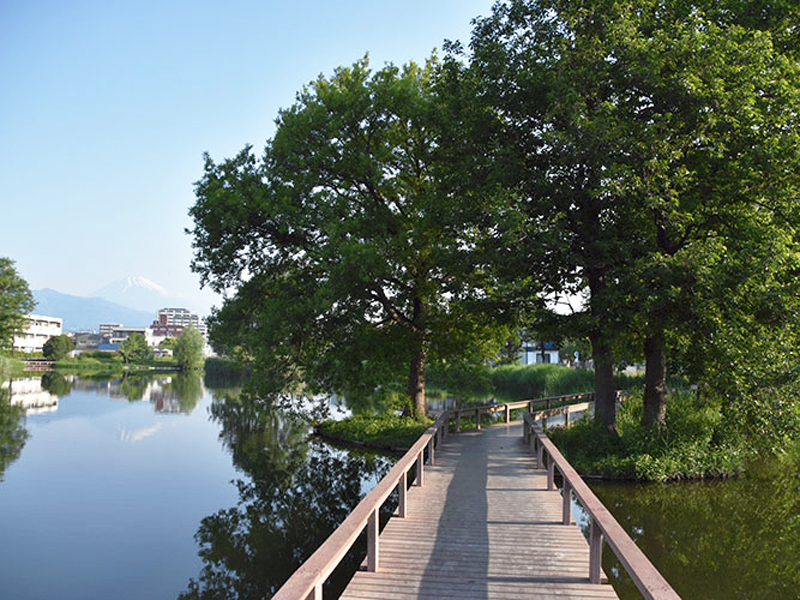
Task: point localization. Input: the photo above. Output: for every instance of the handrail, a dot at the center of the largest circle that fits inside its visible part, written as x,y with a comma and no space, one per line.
603,525
307,581
507,407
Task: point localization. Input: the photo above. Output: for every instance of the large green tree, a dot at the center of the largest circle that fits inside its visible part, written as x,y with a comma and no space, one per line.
188,349
15,301
646,141
349,254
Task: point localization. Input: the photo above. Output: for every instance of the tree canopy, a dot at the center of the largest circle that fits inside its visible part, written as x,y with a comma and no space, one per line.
135,348
651,145
58,347
188,349
15,301
348,254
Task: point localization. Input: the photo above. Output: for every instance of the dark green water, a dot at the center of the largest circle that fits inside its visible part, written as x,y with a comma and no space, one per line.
713,540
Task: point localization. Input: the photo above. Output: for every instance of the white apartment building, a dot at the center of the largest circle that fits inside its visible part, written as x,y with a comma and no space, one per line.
38,329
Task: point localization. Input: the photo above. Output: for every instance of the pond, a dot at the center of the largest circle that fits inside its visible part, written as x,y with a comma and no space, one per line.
712,540
161,487
153,487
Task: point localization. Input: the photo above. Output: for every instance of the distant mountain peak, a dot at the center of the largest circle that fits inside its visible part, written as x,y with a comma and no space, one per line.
138,292
137,281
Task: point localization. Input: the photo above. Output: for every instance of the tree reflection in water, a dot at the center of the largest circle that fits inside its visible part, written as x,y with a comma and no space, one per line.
297,492
738,538
13,434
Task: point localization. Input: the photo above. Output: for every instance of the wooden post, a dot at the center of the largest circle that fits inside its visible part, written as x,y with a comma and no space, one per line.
478,418
540,456
402,501
566,419
551,473
420,460
372,542
595,552
430,451
316,593
526,431
458,421
508,414
566,503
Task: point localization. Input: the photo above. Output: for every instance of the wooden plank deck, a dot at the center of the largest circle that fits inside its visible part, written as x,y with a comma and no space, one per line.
482,526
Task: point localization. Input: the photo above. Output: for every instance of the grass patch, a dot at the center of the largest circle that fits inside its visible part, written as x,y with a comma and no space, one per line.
697,443
387,431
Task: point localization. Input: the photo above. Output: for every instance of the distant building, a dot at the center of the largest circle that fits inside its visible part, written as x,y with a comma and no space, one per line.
120,334
106,329
38,329
171,321
538,352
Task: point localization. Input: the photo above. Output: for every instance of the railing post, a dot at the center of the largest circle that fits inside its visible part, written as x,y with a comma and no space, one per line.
420,460
372,542
508,414
551,473
526,431
458,421
566,419
431,451
478,418
566,503
595,552
316,593
402,501
540,456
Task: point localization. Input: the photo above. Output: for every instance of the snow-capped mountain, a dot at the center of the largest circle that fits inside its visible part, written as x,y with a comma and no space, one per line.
138,292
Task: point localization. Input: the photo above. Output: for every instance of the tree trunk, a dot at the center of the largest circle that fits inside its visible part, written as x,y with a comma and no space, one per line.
605,393
416,382
655,380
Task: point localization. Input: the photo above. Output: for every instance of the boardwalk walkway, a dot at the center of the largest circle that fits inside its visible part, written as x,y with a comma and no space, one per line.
482,526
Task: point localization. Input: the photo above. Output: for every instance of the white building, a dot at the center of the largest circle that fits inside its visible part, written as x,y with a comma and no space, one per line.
120,334
538,352
38,329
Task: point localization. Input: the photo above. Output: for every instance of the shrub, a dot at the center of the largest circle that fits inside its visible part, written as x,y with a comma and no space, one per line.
697,442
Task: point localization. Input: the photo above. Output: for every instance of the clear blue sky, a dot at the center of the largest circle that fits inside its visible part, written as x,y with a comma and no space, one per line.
106,108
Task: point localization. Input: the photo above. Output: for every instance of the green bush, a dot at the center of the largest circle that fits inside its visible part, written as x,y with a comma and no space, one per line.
697,442
387,431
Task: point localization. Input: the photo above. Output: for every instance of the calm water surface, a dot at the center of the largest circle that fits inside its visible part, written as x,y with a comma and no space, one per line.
713,540
153,487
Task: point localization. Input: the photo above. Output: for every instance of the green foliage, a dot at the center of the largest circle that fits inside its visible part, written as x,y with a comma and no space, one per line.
224,372
15,301
58,347
523,382
349,254
697,442
135,348
188,350
387,431
168,343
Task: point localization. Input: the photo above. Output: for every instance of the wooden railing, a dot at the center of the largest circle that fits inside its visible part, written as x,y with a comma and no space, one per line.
603,526
507,407
307,581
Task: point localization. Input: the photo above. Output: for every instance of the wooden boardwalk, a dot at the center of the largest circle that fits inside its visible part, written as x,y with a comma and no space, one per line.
482,526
